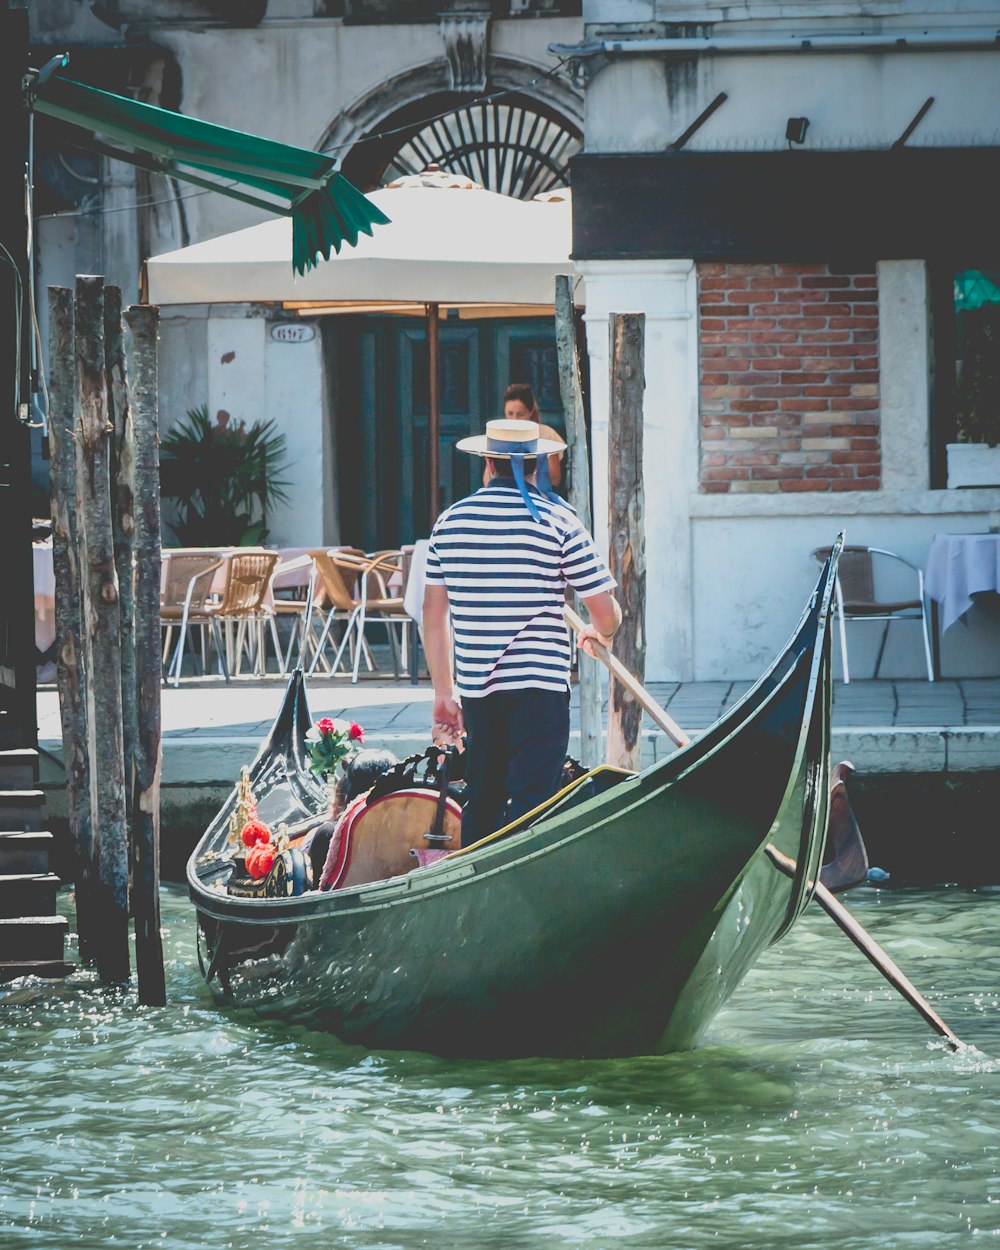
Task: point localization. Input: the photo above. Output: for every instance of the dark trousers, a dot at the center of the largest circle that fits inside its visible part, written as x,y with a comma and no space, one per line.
515,748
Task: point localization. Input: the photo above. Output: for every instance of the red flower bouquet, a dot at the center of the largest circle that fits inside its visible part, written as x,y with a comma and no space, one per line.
329,742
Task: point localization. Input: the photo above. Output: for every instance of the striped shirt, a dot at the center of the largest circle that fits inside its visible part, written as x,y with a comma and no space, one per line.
506,576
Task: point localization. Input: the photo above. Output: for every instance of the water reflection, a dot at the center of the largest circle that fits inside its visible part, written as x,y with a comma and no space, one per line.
822,1113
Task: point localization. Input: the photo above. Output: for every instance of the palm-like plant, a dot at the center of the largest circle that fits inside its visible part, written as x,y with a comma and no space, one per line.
224,477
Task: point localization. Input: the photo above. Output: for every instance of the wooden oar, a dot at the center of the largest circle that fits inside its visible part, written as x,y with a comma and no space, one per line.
833,908
641,695
871,950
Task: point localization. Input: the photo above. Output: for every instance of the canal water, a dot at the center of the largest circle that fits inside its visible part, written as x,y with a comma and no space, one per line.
820,1113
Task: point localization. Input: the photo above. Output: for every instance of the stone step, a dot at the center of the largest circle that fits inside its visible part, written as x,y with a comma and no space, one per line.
32,938
25,852
10,970
21,809
18,770
28,894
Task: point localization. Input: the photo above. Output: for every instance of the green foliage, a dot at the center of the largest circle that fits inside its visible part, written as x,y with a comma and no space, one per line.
224,477
977,406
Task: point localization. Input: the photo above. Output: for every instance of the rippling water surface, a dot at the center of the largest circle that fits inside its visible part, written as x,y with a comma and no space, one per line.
820,1113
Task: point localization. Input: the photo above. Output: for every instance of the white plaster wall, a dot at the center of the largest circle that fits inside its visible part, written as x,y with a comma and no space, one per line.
853,101
294,396
183,363
754,570
235,347
904,374
665,291
224,357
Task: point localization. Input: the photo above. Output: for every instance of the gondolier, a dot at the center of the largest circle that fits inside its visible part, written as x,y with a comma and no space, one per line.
498,565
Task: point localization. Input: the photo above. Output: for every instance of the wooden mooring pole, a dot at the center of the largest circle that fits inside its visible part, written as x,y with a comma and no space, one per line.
70,675
571,391
122,482
141,356
106,554
626,528
101,640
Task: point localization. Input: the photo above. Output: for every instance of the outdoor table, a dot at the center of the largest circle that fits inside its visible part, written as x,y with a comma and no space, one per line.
413,602
958,567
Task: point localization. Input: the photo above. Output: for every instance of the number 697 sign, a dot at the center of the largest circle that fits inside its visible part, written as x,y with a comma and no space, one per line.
292,332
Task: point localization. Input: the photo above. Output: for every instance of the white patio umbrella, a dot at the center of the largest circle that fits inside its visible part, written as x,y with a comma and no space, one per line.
449,243
445,244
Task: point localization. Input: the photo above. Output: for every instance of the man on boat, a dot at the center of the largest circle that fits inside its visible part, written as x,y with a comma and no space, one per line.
499,563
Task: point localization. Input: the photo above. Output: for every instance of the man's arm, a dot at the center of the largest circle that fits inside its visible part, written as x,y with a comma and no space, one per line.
605,618
447,713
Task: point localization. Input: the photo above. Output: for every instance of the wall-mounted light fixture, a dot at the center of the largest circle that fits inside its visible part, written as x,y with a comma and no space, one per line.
795,129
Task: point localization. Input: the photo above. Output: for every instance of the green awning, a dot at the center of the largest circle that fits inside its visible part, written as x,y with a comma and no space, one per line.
974,289
326,210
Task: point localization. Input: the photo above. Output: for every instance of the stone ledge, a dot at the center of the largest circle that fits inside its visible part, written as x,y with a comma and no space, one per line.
215,761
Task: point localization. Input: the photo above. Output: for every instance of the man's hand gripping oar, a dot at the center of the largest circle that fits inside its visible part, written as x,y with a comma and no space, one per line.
591,646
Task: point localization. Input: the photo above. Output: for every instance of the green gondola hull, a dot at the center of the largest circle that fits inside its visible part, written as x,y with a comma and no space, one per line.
617,925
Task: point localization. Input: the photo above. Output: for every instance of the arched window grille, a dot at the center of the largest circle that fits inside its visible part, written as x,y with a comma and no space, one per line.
513,146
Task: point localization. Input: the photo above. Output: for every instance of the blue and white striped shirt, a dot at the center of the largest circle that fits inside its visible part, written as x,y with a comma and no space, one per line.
506,576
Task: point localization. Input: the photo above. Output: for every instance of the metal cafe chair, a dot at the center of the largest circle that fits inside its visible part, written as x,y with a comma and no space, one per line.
336,599
358,586
856,598
297,609
385,587
187,594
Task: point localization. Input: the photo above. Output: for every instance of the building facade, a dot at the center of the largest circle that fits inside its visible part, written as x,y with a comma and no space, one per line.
388,85
793,194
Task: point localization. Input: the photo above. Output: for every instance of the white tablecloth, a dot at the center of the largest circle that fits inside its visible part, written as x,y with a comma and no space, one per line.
413,596
958,567
45,595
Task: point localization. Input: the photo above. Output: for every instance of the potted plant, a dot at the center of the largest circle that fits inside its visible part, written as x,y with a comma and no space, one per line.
224,478
974,460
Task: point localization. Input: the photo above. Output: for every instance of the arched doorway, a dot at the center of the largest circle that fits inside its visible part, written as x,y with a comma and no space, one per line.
517,140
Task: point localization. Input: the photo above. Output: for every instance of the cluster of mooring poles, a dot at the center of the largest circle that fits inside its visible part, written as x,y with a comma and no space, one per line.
626,522
106,554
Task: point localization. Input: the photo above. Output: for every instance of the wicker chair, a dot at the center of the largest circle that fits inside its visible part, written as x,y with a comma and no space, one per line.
184,602
856,598
244,609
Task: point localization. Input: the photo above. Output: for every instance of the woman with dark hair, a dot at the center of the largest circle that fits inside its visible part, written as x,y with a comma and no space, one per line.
519,404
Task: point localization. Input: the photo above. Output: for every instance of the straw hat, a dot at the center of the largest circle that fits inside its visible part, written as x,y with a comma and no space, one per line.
504,439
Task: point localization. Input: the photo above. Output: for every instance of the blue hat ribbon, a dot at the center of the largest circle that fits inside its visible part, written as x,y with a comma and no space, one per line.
517,452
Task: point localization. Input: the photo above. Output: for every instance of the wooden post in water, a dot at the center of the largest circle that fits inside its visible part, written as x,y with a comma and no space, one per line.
70,675
571,392
141,355
101,641
122,520
626,528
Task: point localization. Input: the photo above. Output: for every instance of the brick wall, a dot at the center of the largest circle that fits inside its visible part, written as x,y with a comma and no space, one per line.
789,395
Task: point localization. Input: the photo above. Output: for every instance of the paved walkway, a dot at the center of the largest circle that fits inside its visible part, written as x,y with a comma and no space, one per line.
210,728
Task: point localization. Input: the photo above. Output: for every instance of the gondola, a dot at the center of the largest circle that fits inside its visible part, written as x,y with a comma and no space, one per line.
614,920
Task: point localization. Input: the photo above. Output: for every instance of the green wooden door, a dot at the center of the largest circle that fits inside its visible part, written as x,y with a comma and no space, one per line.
383,409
